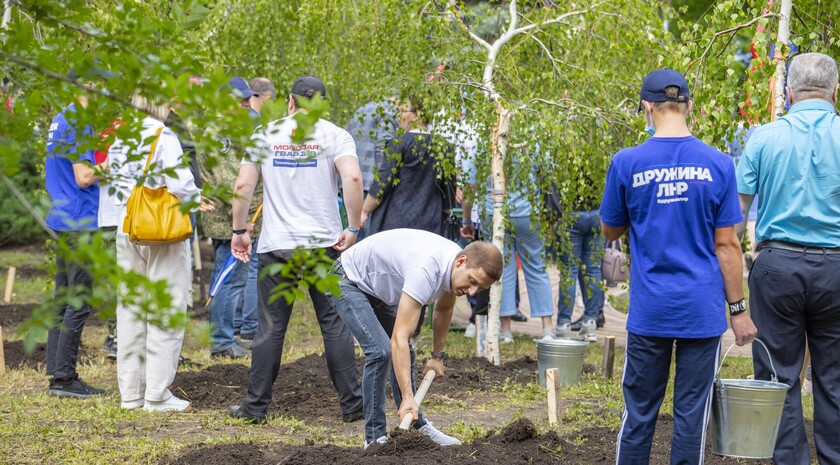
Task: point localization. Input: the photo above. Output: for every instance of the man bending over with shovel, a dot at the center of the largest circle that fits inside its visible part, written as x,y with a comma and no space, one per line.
385,280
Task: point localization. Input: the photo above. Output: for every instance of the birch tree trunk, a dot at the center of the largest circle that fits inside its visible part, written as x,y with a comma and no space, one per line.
782,44
499,152
7,13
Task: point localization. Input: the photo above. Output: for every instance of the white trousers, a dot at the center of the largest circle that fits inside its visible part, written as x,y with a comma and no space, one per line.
147,359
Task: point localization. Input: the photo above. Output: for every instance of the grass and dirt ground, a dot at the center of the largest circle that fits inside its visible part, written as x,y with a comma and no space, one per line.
498,412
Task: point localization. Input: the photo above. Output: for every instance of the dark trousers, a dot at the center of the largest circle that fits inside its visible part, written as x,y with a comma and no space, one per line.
647,365
271,333
73,286
795,296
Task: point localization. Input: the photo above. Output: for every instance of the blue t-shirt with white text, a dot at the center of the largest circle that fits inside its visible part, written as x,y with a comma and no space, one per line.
673,192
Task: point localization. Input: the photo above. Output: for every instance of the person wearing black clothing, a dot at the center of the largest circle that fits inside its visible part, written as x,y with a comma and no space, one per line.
412,189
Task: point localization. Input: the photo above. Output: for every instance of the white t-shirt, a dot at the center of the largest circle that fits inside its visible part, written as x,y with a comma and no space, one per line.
300,184
391,262
127,167
109,213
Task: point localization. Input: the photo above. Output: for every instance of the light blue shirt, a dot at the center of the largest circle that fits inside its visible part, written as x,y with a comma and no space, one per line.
793,164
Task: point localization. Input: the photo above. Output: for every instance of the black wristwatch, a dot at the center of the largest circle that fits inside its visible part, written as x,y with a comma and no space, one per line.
439,355
239,232
737,308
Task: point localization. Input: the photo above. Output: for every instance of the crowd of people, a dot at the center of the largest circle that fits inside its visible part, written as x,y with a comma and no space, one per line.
400,249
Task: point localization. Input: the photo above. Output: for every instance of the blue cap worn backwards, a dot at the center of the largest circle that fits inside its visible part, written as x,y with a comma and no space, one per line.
655,83
240,88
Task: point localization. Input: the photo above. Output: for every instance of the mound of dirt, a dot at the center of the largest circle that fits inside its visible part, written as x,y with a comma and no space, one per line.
517,443
15,314
16,356
303,388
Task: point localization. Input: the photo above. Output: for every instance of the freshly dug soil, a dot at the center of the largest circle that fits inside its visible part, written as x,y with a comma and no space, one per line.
16,357
303,388
517,443
15,314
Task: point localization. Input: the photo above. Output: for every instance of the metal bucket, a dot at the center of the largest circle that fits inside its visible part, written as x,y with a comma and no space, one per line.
563,354
746,414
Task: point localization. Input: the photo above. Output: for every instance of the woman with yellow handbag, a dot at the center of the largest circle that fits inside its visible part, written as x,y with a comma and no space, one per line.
152,241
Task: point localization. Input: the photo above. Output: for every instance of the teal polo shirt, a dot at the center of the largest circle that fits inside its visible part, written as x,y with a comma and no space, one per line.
793,165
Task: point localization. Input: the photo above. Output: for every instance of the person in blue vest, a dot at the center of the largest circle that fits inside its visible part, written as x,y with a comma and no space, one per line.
72,181
677,198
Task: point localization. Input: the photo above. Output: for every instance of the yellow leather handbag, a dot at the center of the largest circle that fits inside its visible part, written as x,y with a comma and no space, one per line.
153,216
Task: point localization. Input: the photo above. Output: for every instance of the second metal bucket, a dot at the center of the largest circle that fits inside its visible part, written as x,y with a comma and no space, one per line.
563,354
746,414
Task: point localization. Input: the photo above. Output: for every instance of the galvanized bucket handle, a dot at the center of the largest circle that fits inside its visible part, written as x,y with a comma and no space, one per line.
773,378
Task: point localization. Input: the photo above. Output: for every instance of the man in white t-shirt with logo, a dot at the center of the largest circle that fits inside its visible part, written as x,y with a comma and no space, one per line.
300,210
385,280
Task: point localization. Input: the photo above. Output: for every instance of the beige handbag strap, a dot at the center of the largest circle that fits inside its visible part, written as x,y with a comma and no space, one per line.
152,150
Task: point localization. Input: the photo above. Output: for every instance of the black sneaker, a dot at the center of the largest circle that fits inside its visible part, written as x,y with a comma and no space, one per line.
234,351
353,416
519,317
73,387
240,413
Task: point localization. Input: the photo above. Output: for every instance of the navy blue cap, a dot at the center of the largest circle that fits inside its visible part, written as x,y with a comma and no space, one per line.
653,87
309,85
240,88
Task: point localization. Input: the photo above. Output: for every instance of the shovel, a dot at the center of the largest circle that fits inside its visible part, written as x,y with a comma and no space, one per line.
418,397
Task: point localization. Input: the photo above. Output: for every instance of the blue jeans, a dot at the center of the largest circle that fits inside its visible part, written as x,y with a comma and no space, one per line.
371,321
245,320
582,264
224,303
646,369
531,248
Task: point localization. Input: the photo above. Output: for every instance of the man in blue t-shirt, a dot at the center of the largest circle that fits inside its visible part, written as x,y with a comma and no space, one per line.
72,180
677,197
793,166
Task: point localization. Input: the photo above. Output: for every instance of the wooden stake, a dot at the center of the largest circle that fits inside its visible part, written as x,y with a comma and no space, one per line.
552,377
609,357
10,282
2,353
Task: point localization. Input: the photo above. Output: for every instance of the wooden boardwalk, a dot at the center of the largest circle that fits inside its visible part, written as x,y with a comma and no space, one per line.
615,320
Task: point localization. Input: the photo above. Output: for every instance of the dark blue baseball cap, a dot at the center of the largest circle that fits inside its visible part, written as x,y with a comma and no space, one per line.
655,83
240,88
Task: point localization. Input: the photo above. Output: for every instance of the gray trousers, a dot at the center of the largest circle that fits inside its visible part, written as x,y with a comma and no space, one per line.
795,296
271,333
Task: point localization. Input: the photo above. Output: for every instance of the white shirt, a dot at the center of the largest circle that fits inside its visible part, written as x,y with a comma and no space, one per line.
391,262
108,214
300,184
127,167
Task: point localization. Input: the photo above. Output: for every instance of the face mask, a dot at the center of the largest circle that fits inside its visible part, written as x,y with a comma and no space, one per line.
649,128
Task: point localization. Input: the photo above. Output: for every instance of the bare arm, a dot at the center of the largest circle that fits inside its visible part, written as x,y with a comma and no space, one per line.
371,202
351,182
746,203
728,251
612,233
86,174
243,191
408,314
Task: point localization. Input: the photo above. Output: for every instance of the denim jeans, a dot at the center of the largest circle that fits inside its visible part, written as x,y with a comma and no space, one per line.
226,299
371,321
73,286
531,248
245,319
582,264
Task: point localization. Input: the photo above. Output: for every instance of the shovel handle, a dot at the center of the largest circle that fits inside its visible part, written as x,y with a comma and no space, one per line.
418,397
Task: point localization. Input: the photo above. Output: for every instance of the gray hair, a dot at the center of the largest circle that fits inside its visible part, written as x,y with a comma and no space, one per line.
263,87
812,75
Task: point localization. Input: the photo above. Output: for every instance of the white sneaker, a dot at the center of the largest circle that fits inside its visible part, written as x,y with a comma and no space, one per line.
379,440
505,337
470,331
587,331
548,334
173,404
437,436
563,331
132,404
